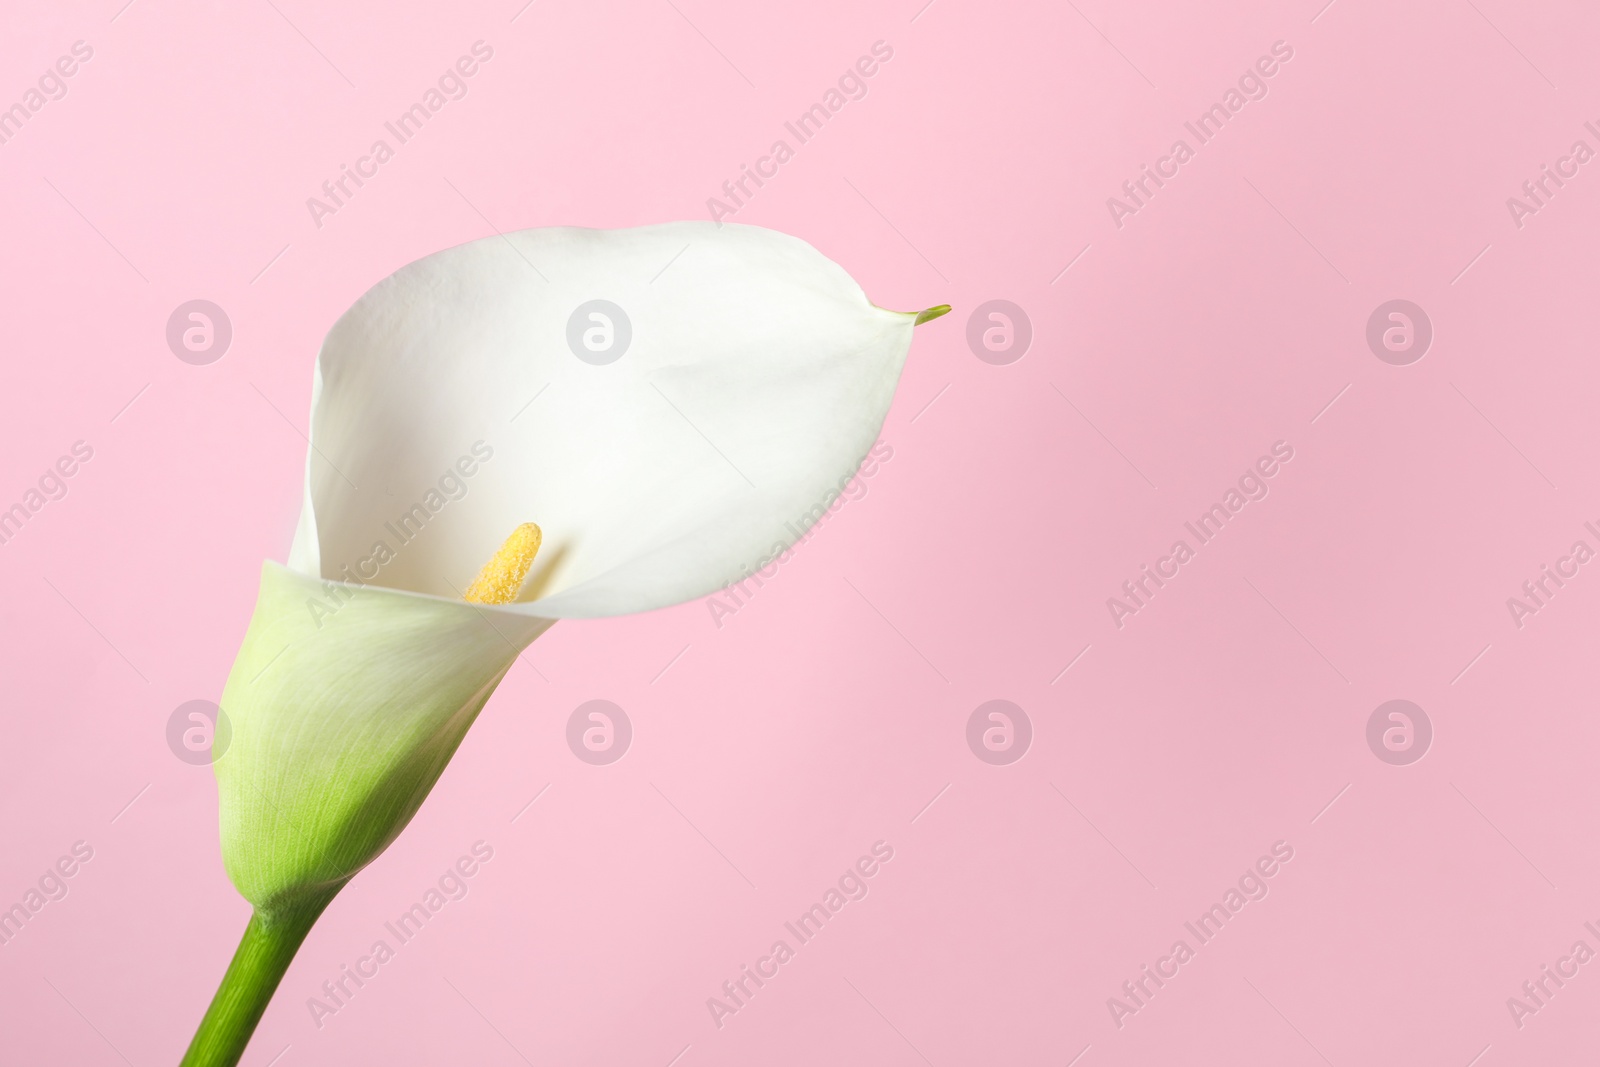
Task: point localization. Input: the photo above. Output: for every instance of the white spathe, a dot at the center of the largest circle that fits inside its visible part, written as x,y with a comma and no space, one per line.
447,409
757,377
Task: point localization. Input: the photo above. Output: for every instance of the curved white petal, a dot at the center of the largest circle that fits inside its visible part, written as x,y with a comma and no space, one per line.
757,377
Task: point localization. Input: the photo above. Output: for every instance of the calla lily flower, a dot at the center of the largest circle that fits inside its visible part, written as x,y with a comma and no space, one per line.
556,423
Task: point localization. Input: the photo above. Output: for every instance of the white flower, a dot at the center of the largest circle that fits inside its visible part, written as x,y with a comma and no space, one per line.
482,388
756,376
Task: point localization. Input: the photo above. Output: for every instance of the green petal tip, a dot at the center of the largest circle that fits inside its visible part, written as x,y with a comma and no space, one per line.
931,314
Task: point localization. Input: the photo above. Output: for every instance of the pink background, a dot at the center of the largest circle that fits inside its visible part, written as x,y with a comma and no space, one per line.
827,714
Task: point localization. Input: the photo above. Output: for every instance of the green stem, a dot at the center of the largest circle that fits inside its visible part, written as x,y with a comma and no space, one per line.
264,954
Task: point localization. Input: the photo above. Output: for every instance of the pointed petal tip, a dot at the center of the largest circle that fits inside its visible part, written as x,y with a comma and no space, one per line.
931,313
